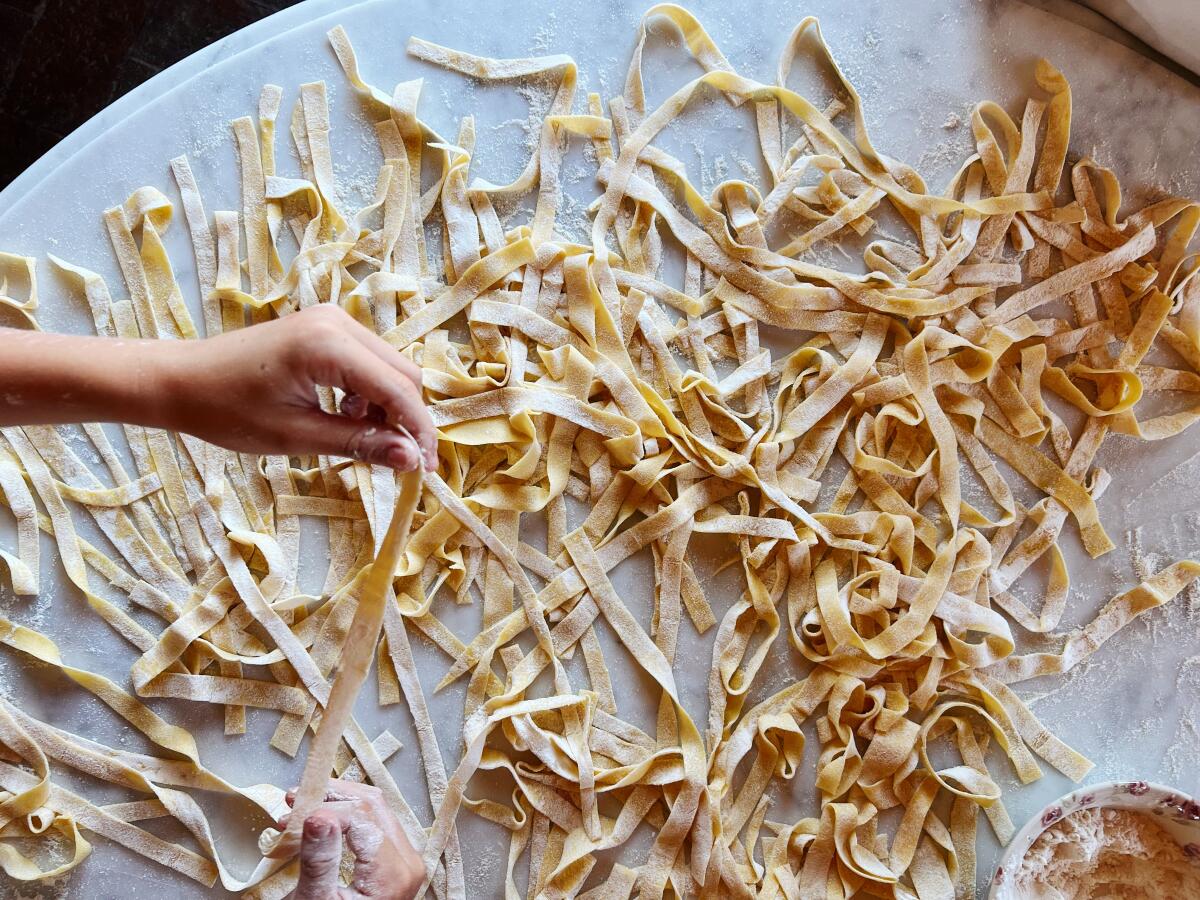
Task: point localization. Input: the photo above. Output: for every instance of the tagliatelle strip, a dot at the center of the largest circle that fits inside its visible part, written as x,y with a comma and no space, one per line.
357,655
556,369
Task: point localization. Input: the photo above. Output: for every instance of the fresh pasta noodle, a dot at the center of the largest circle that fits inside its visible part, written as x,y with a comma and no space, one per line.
585,377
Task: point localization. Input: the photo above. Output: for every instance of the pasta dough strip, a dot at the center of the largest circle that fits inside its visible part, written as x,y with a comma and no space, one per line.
364,634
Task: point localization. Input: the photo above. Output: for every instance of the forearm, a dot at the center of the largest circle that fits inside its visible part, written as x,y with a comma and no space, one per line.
253,390
60,378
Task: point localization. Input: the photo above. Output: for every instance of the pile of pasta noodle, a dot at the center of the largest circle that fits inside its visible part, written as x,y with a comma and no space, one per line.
1009,325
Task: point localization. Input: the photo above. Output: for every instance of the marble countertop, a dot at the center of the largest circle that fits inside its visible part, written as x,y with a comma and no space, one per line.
919,67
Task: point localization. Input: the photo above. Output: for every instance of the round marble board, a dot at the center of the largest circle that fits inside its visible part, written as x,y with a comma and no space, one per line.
919,67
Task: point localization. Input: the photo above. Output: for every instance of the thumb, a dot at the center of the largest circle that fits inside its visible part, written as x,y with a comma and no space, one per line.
320,859
361,439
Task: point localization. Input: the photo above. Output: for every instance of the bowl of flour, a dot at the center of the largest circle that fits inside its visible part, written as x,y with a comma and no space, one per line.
1132,840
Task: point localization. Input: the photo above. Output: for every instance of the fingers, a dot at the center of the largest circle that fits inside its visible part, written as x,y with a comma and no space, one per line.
385,351
337,789
383,869
349,356
385,862
365,838
372,379
320,857
351,790
361,439
340,811
354,406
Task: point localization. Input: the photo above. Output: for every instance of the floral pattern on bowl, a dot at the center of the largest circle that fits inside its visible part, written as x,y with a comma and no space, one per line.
1178,813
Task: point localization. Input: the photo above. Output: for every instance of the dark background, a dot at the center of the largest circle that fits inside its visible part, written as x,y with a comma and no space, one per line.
65,60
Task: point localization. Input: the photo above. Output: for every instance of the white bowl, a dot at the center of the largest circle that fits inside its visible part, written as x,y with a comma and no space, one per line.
1174,810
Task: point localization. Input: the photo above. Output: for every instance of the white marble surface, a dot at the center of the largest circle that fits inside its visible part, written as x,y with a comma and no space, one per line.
919,67
1170,26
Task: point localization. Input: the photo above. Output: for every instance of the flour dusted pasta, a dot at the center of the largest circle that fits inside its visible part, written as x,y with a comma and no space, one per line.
562,372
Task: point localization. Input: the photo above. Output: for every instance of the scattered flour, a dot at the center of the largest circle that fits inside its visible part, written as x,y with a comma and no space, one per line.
1107,853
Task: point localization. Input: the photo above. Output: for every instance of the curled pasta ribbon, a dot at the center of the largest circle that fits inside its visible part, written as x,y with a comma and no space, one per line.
824,424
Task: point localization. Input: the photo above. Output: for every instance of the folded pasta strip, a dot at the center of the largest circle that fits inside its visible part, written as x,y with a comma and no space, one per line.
564,376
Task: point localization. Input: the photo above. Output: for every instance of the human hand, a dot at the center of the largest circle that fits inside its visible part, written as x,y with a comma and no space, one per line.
254,391
386,867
